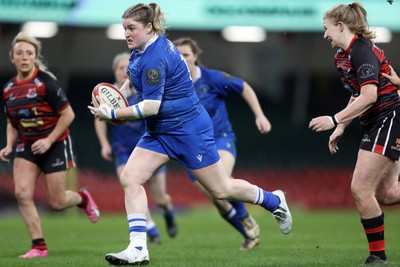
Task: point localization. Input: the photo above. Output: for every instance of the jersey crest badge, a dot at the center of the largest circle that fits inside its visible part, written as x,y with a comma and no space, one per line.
153,76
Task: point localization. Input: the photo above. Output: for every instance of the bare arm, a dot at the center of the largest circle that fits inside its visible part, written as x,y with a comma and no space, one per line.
126,89
363,102
101,132
12,135
143,109
67,115
263,124
337,134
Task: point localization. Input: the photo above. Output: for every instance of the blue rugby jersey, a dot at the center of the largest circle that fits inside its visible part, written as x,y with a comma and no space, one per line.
160,73
212,87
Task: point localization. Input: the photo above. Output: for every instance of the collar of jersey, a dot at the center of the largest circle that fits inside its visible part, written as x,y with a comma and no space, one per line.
152,40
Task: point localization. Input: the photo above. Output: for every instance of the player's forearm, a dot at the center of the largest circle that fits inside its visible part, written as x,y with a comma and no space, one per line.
251,99
101,132
12,134
144,109
358,105
64,121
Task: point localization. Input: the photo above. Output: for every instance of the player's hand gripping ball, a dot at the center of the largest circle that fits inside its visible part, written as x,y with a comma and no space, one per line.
111,96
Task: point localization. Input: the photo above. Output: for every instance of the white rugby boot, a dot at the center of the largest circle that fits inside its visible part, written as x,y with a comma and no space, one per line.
251,227
282,213
130,256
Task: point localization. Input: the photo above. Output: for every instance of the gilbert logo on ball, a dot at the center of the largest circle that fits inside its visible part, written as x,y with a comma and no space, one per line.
110,96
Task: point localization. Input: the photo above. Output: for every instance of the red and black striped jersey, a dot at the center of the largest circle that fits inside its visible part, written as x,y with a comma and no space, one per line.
33,106
360,64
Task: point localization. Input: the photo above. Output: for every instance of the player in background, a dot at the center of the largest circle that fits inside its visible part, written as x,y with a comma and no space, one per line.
124,139
38,117
212,86
177,127
375,101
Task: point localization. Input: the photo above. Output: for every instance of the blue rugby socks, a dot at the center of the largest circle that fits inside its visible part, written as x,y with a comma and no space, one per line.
267,200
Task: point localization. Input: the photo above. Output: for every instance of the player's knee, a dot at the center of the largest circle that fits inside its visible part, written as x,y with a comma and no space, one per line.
56,204
23,195
388,197
218,194
358,191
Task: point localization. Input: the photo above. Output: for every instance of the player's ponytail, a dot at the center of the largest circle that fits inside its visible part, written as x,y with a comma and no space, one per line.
146,14
354,16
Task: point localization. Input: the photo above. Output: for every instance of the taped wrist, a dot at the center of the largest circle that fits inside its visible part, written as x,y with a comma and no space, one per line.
334,120
113,114
138,110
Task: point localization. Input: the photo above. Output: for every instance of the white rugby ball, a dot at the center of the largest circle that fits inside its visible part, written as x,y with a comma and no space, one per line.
111,96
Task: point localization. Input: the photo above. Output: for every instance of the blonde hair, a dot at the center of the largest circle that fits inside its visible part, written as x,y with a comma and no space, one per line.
146,14
25,37
354,16
118,58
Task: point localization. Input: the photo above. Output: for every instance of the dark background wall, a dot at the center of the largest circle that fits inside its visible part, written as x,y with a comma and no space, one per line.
292,73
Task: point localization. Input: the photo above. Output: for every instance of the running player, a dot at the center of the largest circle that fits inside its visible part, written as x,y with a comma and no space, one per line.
177,127
375,101
212,86
38,117
124,139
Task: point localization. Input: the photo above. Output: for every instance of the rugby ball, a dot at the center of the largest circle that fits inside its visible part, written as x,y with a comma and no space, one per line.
111,96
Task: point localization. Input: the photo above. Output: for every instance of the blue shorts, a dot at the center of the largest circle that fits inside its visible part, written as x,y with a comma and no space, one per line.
193,144
122,155
222,143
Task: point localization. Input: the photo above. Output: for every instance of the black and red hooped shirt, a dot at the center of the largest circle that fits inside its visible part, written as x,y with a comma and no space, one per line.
33,106
360,64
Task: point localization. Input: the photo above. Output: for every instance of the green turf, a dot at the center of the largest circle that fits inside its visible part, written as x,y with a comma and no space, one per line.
329,238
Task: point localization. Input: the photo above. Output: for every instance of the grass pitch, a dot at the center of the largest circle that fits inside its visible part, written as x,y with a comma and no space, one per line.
324,238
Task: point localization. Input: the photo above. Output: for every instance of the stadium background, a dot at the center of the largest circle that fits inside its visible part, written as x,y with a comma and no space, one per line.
292,72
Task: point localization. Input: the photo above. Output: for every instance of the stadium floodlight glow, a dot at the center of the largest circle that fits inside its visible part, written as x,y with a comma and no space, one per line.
251,34
383,35
40,29
115,32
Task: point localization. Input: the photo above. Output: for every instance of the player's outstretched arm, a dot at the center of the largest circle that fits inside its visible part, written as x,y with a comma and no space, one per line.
263,124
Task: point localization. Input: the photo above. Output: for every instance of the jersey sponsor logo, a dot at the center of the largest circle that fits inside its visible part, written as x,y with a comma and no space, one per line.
31,93
153,76
366,138
171,46
397,145
199,157
24,113
366,70
20,148
29,124
58,162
